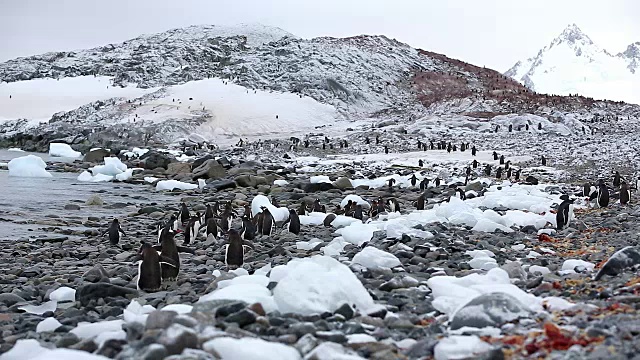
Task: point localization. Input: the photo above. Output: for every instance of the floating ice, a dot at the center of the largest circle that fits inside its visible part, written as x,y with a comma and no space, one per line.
40,309
174,184
86,176
250,349
28,166
63,150
112,167
48,324
372,258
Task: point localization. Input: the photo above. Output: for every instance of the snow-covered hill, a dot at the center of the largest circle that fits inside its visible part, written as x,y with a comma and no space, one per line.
573,64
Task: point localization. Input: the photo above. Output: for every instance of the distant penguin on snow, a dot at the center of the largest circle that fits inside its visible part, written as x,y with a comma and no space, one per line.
114,232
565,212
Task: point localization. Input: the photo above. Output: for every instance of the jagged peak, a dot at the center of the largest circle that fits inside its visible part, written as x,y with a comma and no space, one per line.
572,34
632,51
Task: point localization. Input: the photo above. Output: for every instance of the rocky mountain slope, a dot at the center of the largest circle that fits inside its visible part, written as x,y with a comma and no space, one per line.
251,81
573,64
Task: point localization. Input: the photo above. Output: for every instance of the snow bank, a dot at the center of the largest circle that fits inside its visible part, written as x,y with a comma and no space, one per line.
250,349
63,150
304,286
174,184
373,258
15,149
28,166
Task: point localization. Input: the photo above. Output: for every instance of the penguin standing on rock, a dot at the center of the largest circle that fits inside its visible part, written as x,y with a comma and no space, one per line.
234,254
420,202
249,229
616,180
294,222
150,268
602,194
565,212
114,232
544,161
393,204
414,180
357,212
391,182
168,249
424,184
212,228
267,221
625,193
184,215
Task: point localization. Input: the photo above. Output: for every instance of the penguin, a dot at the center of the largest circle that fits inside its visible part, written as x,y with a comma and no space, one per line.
495,155
507,165
208,214
386,149
501,159
316,207
414,180
391,182
487,170
302,210
225,221
499,173
267,221
114,232
249,229
437,181
616,180
234,252
184,215
474,151
509,173
565,212
420,162
602,194
212,228
588,190
424,184
328,220
357,212
544,161
193,228
294,222
475,164
517,175
460,194
150,268
169,249
394,206
420,202
625,193
380,208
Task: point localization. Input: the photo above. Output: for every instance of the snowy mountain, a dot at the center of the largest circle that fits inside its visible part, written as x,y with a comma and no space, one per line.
573,64
249,81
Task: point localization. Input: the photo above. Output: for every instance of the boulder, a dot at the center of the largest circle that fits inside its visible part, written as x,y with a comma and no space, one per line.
343,183
219,185
210,169
154,159
200,161
94,200
250,181
493,309
178,168
96,155
310,188
89,292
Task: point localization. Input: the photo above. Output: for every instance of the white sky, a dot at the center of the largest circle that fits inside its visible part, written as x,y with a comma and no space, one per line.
493,33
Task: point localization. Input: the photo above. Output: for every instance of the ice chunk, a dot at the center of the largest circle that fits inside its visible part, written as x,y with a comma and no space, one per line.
48,324
28,166
278,213
460,347
40,309
63,294
250,349
24,349
356,199
320,179
174,184
280,182
249,293
357,233
372,258
63,150
571,264
136,313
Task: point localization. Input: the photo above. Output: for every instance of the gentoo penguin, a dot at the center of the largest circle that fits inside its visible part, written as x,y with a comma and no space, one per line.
616,180
212,228
544,161
474,151
460,194
247,211
467,171
357,212
625,193
249,229
169,249
588,190
517,175
509,173
414,180
390,182
602,194
149,268
225,220
193,228
114,232
475,164
565,212
487,170
495,155
294,222
424,183
501,159
507,165
499,173
386,149
184,215
302,210
316,207
420,162
234,254
437,181
393,204
380,208
267,221
208,214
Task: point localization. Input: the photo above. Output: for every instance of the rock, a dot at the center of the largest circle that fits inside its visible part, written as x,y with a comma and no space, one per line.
111,348
10,299
346,311
422,349
343,183
531,180
96,274
177,338
160,319
493,309
199,161
72,207
219,307
474,186
250,181
176,168
89,292
220,185
311,188
242,317
210,169
154,352
515,271
96,155
150,210
620,260
154,159
306,343
94,200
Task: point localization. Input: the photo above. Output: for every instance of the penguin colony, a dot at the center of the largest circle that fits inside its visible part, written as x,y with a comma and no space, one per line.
160,263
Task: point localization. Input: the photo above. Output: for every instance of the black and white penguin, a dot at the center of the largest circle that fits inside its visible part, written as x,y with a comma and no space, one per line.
294,222
184,215
499,173
249,229
234,253
507,165
386,149
468,171
193,228
114,232
267,221
208,214
149,268
302,210
565,212
437,181
487,170
212,228
588,190
380,208
602,194
357,212
316,207
625,193
509,173
420,202
501,159
475,164
495,155
169,249
393,204
424,183
460,194
544,161
517,175
420,162
474,151
616,180
414,180
390,183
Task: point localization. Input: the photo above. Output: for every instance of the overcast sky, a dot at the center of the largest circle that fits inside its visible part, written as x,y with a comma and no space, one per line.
493,33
